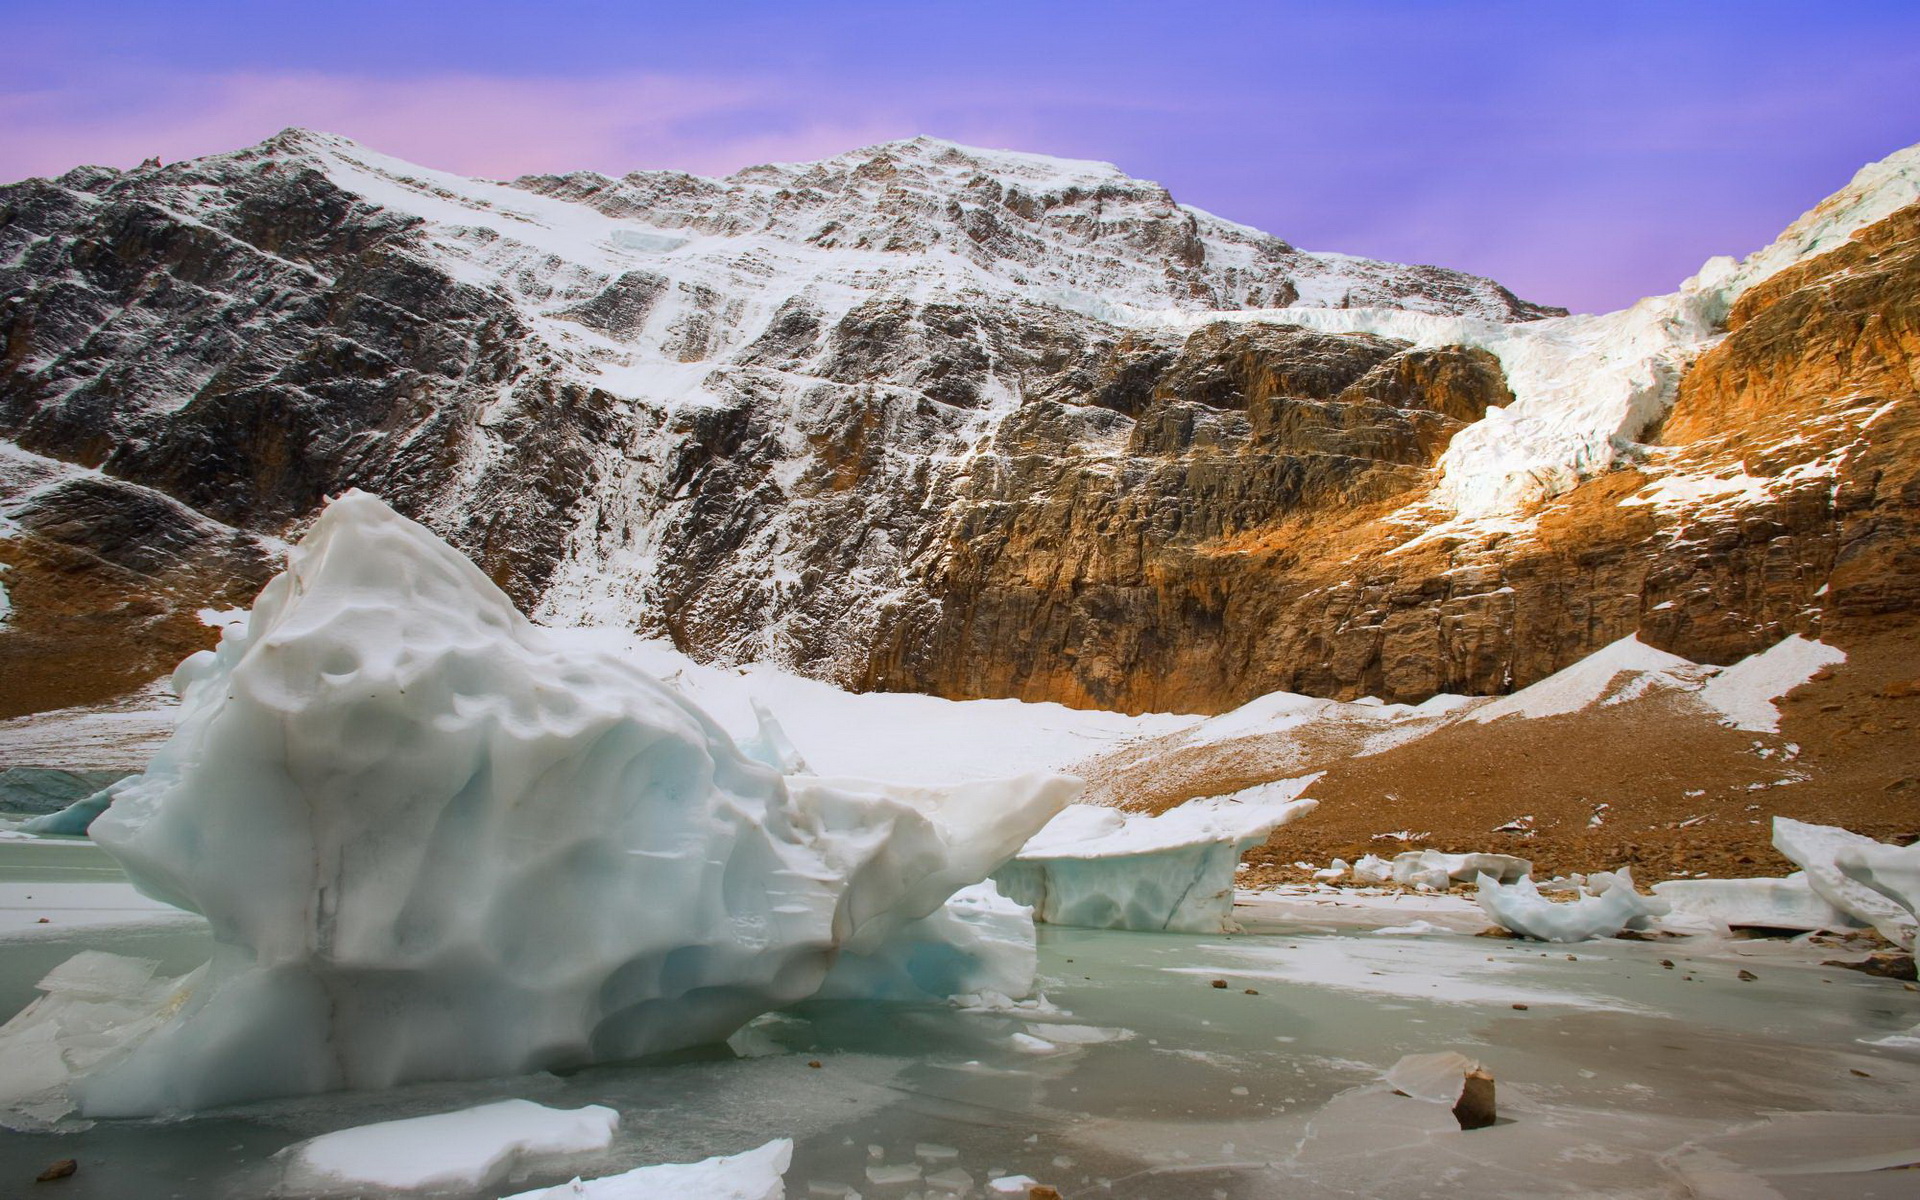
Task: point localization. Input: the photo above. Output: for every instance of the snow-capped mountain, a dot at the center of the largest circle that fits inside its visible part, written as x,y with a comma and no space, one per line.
919,416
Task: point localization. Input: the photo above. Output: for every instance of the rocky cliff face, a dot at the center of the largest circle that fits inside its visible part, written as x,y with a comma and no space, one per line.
920,417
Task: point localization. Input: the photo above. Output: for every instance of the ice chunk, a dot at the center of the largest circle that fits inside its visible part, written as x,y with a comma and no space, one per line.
92,1007
1436,1078
1107,869
1372,869
1789,903
1815,849
1437,870
1521,908
467,1150
753,1175
434,843
978,942
1892,871
77,818
1012,1185
1744,693
770,744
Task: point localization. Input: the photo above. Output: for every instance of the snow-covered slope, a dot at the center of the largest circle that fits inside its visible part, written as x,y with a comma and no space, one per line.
1586,386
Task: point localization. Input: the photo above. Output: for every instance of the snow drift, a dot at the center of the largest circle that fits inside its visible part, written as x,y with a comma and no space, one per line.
434,843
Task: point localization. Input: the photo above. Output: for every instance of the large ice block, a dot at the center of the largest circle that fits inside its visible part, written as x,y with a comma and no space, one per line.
434,843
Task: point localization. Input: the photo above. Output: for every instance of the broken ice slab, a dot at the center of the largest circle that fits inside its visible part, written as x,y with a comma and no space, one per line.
1521,908
1788,903
1101,868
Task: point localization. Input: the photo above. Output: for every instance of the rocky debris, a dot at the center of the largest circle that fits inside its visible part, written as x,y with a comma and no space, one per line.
59,1170
1885,965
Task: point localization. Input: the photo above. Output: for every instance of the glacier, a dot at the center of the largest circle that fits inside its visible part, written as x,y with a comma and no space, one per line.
1101,868
434,843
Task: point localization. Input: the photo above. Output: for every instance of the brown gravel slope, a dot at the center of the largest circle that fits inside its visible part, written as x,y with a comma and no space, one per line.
1681,792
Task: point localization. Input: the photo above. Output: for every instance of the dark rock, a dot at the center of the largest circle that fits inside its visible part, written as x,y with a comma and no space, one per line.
1475,1109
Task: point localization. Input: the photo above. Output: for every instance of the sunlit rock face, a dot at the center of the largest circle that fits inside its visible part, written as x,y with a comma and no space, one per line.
433,844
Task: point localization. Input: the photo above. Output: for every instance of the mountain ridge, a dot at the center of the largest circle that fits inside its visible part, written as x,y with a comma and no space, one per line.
894,418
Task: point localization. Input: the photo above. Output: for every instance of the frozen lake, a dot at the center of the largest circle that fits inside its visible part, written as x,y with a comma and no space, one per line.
1620,1077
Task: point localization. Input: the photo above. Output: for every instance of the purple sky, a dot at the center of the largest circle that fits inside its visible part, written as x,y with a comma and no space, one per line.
1583,154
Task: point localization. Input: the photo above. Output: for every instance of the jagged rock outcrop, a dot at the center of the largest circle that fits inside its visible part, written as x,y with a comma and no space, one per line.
919,417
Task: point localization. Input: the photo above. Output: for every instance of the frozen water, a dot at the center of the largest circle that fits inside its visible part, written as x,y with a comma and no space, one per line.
1602,913
434,844
470,1149
1789,903
1617,1068
1815,849
1103,868
754,1175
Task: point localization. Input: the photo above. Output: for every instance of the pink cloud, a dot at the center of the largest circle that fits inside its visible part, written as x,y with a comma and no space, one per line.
478,125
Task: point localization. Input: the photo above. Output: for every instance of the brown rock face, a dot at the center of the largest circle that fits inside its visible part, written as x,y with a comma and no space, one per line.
1124,564
1254,532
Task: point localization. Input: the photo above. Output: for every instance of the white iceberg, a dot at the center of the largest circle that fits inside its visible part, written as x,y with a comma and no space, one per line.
1613,906
1789,903
753,1175
434,843
467,1150
1816,849
1102,868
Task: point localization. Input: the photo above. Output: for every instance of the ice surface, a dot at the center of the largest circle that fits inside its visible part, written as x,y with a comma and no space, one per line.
1816,850
1744,692
753,1175
1613,907
1789,903
470,1149
1103,868
432,843
978,942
